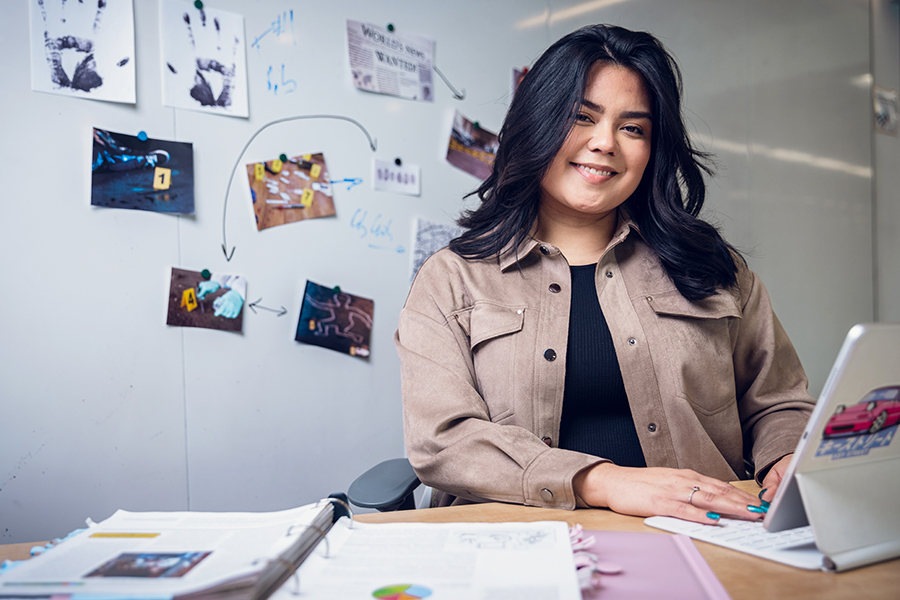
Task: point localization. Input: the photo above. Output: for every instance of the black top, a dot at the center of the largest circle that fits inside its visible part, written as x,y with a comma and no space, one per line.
595,418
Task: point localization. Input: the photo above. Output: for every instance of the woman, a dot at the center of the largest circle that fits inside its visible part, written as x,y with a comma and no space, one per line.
519,386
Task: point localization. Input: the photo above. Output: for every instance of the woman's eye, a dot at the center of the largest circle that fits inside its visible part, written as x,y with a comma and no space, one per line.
634,129
583,118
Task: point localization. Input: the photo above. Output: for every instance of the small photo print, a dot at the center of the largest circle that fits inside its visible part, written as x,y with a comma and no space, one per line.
290,191
471,147
334,319
154,175
207,300
149,565
517,76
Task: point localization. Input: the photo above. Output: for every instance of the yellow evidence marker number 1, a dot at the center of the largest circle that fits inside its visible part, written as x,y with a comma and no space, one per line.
259,171
162,178
189,299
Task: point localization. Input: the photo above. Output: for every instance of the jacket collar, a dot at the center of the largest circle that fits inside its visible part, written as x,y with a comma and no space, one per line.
512,254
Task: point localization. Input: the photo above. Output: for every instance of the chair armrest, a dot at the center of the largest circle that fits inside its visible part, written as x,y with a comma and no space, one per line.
387,486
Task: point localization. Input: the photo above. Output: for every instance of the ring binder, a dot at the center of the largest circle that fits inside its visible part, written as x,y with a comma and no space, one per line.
190,556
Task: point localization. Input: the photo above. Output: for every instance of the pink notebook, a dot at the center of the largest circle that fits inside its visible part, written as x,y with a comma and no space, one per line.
654,565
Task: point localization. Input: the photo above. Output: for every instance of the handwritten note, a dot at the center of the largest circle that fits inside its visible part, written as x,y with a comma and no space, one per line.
390,177
375,230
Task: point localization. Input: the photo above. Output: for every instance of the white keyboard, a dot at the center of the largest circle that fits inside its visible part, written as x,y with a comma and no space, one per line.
795,547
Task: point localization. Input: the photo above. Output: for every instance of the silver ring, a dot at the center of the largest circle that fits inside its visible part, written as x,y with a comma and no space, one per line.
691,495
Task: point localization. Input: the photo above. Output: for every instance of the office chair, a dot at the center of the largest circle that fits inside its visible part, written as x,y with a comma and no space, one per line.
387,486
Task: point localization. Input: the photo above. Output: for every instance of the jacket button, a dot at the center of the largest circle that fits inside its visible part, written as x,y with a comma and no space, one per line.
546,439
554,287
546,495
632,341
550,354
651,427
545,250
609,274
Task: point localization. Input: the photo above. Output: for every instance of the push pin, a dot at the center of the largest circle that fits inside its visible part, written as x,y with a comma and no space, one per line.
198,5
398,162
390,27
336,289
205,274
282,158
142,136
477,125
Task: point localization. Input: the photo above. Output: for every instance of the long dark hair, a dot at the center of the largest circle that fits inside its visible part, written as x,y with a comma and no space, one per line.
671,193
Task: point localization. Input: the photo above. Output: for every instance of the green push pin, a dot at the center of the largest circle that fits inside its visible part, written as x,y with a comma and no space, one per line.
282,158
198,5
390,27
205,274
336,289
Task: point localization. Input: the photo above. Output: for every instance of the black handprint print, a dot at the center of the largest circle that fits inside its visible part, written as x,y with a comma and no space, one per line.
202,91
65,41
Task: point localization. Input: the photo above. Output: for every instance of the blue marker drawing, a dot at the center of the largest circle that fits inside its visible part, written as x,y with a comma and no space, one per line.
378,230
278,27
273,87
399,249
353,182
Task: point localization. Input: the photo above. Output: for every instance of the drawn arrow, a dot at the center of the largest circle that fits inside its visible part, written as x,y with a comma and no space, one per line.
457,95
351,182
372,144
254,305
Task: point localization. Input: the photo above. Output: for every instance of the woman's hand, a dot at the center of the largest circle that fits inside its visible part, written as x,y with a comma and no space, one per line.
649,491
773,478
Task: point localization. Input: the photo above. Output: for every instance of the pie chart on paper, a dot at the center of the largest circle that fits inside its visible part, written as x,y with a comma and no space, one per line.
401,592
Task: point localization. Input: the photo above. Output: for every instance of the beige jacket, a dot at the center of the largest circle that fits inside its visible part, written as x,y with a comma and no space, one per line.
482,348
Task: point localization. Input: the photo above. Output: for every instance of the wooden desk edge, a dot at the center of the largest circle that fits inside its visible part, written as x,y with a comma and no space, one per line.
743,576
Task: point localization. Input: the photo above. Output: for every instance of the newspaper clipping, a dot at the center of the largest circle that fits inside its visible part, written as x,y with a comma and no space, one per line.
389,63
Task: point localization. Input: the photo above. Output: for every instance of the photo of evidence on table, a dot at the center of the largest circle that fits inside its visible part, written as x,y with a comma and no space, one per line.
287,190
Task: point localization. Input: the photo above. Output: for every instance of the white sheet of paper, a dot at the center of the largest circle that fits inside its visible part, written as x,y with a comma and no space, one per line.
389,62
83,49
204,64
390,177
428,238
521,561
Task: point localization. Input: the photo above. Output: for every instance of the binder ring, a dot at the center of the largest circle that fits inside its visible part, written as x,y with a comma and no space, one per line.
342,503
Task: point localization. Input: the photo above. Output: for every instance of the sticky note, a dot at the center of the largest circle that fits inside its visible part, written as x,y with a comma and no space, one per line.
162,178
189,299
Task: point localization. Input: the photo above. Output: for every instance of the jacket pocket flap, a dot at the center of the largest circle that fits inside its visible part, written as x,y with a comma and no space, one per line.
718,306
493,320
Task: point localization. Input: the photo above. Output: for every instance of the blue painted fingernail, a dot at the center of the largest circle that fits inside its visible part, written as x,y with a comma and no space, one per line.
766,505
763,491
757,509
713,516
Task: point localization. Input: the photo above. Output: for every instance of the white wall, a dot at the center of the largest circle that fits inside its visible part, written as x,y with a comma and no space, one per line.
102,406
886,161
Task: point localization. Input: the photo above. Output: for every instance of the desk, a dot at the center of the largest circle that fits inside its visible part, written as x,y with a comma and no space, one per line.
744,576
